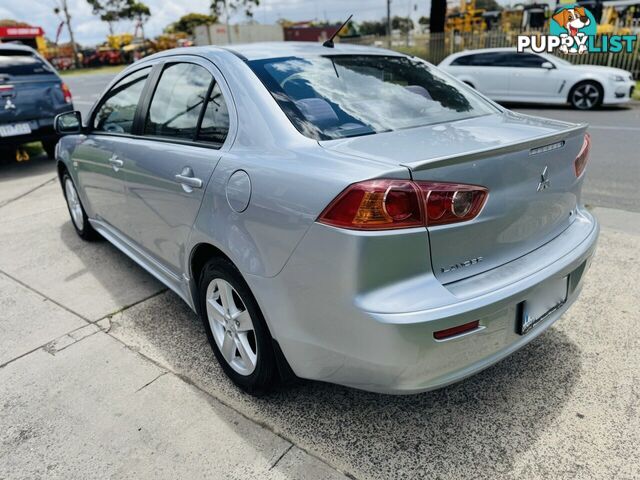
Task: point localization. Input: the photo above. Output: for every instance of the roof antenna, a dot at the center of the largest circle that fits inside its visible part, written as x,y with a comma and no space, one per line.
329,43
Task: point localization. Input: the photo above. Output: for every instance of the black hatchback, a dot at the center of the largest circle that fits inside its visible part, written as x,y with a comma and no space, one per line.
31,95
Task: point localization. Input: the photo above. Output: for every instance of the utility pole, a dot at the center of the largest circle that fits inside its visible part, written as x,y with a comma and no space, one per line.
389,23
67,20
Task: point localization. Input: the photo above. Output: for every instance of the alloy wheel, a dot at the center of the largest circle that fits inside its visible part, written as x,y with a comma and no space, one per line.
74,204
232,326
586,96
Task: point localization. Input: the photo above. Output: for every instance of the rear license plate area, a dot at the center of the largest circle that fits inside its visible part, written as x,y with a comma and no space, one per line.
543,301
15,129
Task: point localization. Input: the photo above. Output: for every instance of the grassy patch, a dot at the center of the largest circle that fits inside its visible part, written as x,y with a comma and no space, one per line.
636,92
89,71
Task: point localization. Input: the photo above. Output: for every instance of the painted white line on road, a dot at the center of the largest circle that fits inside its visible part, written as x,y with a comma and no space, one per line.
607,127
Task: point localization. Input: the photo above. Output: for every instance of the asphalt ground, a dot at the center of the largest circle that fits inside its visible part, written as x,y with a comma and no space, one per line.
106,374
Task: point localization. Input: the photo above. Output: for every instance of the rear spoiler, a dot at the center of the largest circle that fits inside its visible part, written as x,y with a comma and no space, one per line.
531,143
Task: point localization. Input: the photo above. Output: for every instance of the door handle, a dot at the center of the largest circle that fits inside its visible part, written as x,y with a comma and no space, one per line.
116,163
187,180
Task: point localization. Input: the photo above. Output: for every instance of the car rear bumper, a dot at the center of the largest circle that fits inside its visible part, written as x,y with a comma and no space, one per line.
41,134
41,130
349,319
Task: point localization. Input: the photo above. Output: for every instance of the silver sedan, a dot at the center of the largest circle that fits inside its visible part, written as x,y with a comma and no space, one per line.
348,214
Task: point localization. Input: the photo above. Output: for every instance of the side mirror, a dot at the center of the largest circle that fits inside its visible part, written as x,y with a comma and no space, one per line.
68,123
547,65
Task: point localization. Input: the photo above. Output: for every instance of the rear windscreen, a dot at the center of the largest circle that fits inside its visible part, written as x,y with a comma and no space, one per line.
22,64
340,96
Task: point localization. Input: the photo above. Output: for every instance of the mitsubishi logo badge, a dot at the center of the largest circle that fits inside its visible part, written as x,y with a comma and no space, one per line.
544,180
9,105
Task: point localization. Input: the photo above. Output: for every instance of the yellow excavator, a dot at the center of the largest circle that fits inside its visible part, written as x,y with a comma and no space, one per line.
466,18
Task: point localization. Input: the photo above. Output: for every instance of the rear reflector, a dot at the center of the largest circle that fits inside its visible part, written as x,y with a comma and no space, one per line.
458,330
582,158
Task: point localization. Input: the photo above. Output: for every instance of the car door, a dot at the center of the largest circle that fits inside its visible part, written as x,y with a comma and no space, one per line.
98,159
489,75
185,124
530,80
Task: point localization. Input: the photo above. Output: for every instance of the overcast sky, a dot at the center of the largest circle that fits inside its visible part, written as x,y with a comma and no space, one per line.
90,30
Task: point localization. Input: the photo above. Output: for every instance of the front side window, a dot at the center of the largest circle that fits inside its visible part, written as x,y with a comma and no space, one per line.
331,97
464,60
118,109
177,102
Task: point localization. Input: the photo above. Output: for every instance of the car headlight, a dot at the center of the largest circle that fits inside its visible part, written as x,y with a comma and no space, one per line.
617,78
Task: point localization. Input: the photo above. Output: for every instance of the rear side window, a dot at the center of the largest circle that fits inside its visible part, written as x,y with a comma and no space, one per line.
177,102
523,60
118,108
463,61
489,59
23,64
215,122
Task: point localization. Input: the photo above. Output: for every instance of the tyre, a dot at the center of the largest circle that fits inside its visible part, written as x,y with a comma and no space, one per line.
79,218
236,328
50,148
586,96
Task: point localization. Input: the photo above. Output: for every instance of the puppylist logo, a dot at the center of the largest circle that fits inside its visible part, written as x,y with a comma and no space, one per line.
573,30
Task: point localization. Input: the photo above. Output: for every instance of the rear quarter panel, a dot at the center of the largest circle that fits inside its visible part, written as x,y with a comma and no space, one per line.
292,179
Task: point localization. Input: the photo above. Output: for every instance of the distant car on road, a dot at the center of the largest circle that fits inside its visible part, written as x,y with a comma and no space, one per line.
348,214
31,95
504,75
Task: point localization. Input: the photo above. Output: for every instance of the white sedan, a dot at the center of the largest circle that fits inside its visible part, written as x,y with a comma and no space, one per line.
505,75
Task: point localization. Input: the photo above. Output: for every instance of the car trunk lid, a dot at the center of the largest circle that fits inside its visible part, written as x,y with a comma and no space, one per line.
30,98
29,88
527,164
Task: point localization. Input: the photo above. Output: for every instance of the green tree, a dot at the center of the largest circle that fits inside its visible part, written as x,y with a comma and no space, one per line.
423,20
488,5
372,28
110,11
227,7
404,24
139,12
188,23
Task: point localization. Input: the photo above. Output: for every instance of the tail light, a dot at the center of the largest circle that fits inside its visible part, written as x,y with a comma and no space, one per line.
66,92
391,204
581,160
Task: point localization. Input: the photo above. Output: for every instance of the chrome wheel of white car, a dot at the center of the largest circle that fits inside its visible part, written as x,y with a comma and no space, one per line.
585,96
75,208
231,326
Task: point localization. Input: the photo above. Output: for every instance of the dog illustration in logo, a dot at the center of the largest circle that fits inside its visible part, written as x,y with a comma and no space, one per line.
572,20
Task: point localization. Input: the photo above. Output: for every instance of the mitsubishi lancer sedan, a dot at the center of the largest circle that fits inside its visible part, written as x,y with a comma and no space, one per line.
349,215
